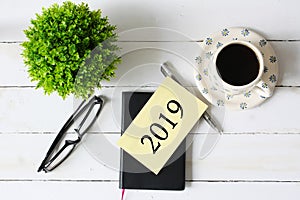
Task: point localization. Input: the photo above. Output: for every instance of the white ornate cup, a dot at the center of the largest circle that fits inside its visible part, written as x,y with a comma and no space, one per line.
257,85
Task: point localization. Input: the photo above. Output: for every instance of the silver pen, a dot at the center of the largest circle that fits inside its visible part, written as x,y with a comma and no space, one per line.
167,73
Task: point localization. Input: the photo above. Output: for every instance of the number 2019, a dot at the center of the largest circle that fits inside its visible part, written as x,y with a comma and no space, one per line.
173,107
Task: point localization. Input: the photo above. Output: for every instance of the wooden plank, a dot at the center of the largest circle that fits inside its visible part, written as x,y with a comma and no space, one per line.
144,58
16,16
289,69
269,117
29,110
21,155
276,20
251,156
109,190
13,71
243,157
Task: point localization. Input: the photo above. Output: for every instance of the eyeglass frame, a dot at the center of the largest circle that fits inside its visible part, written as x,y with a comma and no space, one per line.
48,160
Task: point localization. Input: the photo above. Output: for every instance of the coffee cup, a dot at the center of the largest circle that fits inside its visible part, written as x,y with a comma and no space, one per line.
237,67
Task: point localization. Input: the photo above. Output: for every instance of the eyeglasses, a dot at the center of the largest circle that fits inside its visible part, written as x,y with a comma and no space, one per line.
61,148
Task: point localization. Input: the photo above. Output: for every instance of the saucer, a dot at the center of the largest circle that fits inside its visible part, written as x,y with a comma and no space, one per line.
250,98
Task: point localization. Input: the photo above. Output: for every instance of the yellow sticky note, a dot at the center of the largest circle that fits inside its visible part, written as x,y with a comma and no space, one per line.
161,125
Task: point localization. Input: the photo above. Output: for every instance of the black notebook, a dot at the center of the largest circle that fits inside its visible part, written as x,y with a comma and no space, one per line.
134,175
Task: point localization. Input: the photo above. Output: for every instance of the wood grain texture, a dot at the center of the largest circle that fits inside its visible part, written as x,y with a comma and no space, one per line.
26,109
145,58
244,157
274,19
256,158
109,190
29,110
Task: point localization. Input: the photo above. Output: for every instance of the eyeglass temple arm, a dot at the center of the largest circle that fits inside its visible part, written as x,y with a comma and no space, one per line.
99,101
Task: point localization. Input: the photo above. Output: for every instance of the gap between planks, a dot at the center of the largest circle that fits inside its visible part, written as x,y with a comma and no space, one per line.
118,133
187,181
270,40
125,86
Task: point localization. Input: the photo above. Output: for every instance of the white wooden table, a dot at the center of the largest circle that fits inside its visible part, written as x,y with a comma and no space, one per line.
258,157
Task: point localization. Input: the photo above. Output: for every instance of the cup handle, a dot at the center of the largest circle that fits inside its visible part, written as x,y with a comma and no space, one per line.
263,89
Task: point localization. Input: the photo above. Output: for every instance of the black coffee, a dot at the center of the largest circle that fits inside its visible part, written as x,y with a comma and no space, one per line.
237,64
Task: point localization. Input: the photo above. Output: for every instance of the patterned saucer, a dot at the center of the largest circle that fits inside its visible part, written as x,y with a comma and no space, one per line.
245,100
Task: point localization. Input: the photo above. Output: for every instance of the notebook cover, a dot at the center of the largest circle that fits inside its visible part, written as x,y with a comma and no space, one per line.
171,177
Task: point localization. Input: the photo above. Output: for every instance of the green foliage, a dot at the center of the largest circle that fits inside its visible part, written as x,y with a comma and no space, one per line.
70,49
